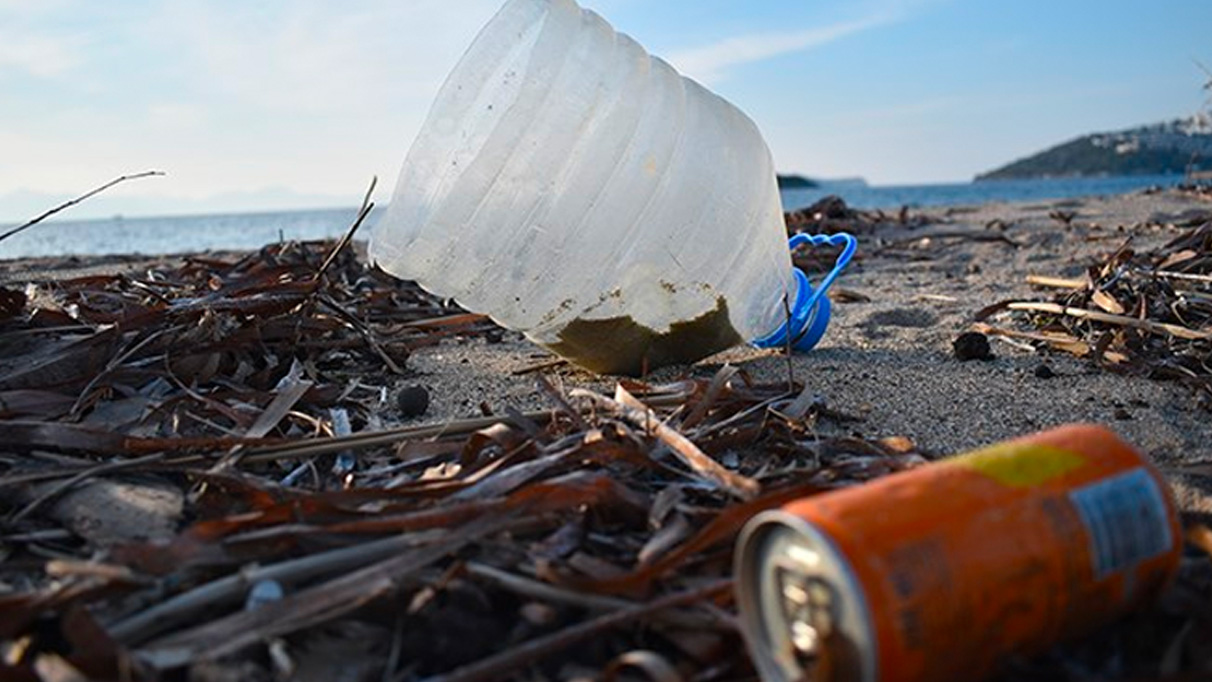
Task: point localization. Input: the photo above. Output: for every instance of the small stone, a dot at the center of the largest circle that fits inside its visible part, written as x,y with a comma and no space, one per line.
972,346
494,336
1044,371
1121,414
413,401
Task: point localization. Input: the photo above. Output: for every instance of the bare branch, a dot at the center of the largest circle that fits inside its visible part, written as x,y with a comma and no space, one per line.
68,204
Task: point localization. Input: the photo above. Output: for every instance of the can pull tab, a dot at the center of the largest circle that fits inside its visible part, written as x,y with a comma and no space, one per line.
811,310
810,610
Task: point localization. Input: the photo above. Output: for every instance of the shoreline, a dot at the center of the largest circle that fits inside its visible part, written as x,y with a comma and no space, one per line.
177,233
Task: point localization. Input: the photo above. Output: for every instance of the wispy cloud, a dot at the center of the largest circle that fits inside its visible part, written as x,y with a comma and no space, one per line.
28,51
39,56
315,56
29,7
306,94
711,62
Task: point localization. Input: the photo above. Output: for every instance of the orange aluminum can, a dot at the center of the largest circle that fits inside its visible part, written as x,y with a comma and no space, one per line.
940,573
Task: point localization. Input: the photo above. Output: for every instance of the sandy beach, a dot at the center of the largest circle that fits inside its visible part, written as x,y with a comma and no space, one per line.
887,359
886,372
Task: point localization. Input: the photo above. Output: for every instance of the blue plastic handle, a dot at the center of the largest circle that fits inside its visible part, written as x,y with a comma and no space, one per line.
811,310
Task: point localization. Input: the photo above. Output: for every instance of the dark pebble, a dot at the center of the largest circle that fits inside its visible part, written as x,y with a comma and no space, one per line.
1044,371
1121,414
494,336
972,346
413,401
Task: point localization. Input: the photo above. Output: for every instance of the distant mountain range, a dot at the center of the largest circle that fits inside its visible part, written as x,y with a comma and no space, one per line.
796,182
791,181
1176,146
20,205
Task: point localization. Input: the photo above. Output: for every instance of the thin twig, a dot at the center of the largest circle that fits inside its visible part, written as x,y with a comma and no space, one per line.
790,344
557,396
1065,342
690,454
114,364
1056,282
68,204
294,451
363,331
540,367
364,211
539,590
1159,328
534,589
329,446
1187,276
38,536
741,416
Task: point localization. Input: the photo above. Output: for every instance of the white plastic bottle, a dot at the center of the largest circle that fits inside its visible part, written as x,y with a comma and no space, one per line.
576,189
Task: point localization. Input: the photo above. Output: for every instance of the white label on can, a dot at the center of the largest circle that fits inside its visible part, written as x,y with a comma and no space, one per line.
1126,518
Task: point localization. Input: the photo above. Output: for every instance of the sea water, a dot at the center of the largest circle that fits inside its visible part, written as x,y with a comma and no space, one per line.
183,234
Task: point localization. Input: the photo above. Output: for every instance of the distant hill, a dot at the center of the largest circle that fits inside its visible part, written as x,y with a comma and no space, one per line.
796,182
1172,147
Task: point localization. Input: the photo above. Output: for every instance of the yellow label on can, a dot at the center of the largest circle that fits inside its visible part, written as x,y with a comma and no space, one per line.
1022,465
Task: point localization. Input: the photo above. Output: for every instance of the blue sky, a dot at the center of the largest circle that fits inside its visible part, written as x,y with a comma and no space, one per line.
297,103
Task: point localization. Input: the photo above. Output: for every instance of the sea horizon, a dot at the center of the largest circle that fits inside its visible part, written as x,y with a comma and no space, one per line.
61,235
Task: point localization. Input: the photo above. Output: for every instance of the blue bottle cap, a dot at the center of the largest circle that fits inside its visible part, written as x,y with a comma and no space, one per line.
811,310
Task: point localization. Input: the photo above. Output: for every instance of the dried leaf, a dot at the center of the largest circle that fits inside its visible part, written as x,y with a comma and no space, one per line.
1178,258
289,391
1107,302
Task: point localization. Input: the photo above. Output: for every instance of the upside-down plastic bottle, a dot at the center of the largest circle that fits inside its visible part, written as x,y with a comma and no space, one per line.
575,188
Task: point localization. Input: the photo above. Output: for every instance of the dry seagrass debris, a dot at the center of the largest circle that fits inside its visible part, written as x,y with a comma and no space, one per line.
1144,313
831,214
285,530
